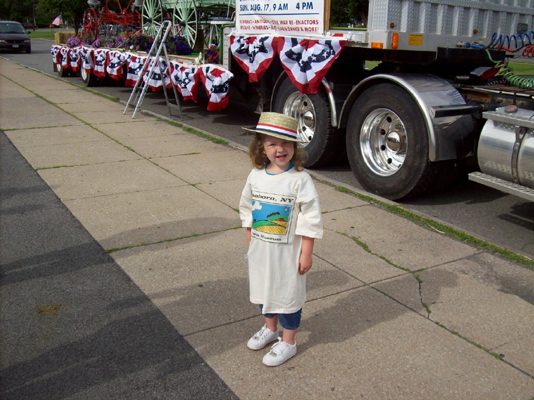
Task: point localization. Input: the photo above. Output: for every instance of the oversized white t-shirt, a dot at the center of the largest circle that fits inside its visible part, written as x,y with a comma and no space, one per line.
280,209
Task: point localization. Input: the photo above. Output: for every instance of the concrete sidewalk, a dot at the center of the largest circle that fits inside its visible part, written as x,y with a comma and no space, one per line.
394,310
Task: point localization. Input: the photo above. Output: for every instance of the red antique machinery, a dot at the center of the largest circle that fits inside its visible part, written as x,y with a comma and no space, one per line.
98,20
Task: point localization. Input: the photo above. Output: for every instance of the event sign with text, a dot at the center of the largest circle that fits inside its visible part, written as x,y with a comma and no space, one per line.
284,17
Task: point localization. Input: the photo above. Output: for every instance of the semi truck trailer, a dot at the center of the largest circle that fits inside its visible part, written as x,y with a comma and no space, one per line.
419,96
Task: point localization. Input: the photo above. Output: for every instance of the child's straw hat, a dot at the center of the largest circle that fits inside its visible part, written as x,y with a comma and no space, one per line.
277,125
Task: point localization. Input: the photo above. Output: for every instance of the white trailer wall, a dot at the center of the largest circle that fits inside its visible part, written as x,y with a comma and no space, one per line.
446,22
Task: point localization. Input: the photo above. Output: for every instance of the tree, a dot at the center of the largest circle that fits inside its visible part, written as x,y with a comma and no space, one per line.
21,10
70,10
345,12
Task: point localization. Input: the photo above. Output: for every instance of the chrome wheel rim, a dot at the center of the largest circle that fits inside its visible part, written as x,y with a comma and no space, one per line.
300,107
383,142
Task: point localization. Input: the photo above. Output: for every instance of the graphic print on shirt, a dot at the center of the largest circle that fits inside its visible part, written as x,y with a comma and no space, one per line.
271,217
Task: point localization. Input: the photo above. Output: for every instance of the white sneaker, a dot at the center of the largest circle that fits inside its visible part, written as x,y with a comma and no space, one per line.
280,353
262,338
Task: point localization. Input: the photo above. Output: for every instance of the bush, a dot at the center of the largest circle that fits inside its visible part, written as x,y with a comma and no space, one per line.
136,42
212,55
176,45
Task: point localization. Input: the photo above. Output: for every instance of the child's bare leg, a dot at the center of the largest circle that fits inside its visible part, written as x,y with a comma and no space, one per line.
272,323
288,336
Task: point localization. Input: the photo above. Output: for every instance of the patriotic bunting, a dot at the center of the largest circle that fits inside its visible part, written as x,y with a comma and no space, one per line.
55,53
216,80
64,58
101,60
186,79
115,65
75,60
157,81
253,54
133,70
307,61
128,66
166,73
86,54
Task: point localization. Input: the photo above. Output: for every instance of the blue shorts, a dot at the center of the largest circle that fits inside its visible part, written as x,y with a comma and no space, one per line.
288,321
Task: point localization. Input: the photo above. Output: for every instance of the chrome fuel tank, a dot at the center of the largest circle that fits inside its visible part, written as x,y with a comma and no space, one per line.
506,145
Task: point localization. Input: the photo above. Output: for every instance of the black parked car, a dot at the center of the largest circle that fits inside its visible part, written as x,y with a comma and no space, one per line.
14,37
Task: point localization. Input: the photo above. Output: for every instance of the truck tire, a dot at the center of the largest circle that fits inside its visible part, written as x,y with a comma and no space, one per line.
313,115
387,143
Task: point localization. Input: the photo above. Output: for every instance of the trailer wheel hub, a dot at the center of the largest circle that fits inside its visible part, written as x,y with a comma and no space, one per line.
394,142
300,107
383,142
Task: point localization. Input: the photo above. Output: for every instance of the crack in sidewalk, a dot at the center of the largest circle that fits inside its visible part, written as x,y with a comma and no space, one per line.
427,308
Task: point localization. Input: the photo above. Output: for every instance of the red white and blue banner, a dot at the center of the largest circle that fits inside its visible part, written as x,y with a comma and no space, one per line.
101,60
134,69
75,60
186,78
88,62
254,54
307,61
216,80
129,67
55,53
160,76
64,58
115,65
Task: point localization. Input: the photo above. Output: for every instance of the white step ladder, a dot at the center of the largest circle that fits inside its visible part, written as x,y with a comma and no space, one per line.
153,60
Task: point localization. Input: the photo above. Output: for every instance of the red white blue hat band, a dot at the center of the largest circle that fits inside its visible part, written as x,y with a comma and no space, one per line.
277,125
276,129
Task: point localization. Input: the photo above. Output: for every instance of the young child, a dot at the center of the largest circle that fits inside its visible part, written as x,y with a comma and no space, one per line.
280,208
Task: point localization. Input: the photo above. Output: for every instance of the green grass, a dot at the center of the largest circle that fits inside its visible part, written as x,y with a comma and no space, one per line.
50,34
521,68
444,229
369,65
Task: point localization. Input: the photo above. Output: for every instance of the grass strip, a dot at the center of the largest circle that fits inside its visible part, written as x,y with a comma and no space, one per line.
444,229
40,34
205,136
196,132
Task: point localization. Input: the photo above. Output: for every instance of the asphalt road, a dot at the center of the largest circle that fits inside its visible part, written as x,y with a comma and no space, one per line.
499,218
109,340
